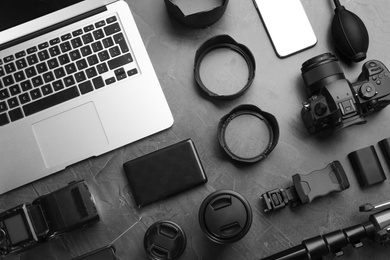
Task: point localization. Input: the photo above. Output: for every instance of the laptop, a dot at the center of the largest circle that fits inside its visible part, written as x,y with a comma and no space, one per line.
75,82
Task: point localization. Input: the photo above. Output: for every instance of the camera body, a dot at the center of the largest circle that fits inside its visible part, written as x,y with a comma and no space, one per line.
48,216
334,102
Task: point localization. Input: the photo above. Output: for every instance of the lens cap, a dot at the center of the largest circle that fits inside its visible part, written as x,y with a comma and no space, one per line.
225,216
165,240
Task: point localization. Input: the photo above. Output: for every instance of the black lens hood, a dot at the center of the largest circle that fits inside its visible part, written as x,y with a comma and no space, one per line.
267,118
224,41
196,20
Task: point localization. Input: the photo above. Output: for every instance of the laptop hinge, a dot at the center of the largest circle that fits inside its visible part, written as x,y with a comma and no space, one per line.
52,28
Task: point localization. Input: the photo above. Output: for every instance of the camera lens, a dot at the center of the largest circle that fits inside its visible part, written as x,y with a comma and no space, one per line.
320,71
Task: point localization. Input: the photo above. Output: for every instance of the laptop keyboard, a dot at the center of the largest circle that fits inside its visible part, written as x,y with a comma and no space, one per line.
66,67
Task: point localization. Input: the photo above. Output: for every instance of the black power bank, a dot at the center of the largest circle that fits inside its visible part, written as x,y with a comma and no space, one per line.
164,172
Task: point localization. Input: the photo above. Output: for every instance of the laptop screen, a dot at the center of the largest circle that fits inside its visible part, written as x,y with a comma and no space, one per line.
15,12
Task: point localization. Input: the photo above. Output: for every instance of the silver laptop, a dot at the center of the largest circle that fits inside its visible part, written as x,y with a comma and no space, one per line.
75,82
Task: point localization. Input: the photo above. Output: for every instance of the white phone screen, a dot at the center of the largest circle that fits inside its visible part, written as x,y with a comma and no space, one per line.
287,25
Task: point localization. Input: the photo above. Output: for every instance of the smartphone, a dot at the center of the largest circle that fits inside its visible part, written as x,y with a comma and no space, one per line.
287,25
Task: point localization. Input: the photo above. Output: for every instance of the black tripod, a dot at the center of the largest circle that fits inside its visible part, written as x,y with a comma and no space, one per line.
376,228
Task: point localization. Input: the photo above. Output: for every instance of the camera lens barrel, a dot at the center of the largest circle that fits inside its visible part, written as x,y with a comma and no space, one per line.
319,71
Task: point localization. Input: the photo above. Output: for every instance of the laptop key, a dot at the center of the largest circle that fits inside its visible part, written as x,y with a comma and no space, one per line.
21,64
108,42
111,29
93,60
66,37
98,34
15,114
87,38
86,87
120,61
59,73
58,85
37,81
3,106
110,80
54,51
91,72
120,74
89,28
77,32
3,119
69,81
35,93
54,41
114,51
8,80
15,90
24,98
103,55
30,72
111,19
76,42
75,55
10,68
19,76
43,45
102,68
53,63
70,68
26,85
13,102
65,46
42,67
120,40
32,50
80,76
32,59
97,46
46,90
43,55
98,82
64,59
50,101
9,58
100,24
20,54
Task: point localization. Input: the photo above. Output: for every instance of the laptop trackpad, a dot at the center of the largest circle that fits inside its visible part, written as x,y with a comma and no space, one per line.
71,135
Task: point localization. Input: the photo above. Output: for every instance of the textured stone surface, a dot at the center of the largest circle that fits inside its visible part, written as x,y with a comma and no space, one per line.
278,89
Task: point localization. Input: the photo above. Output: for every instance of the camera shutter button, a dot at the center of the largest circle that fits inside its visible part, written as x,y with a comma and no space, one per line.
367,91
320,109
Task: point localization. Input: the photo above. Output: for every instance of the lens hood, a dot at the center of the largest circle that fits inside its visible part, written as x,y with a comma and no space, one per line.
227,42
199,19
271,136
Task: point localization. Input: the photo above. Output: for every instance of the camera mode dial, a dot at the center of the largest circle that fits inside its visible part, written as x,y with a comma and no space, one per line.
367,91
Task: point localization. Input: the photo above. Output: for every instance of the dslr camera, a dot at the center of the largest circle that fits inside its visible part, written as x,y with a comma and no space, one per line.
334,102
48,216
